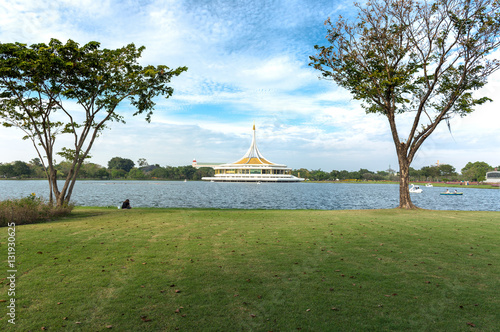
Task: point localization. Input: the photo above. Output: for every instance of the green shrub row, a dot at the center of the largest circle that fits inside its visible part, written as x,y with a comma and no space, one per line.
28,210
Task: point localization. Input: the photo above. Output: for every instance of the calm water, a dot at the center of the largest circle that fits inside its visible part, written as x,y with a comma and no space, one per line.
325,196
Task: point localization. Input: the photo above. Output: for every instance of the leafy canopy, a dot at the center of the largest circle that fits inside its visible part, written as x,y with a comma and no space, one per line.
36,80
407,56
421,57
40,84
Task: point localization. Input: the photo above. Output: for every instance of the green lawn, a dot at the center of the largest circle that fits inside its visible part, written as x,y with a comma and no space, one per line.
257,270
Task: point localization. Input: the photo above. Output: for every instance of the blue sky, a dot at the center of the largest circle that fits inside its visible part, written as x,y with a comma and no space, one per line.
248,62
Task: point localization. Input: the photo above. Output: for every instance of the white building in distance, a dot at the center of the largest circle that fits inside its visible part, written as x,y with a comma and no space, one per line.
252,167
493,177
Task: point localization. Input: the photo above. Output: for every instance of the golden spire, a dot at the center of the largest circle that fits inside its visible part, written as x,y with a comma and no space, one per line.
253,155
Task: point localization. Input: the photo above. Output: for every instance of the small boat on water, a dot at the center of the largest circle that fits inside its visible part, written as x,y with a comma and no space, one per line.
415,189
429,185
451,193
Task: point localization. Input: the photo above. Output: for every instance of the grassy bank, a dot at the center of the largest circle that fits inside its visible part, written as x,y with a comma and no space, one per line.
261,270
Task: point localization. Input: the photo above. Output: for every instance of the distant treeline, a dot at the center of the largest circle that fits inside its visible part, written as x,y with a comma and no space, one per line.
122,168
34,170
473,171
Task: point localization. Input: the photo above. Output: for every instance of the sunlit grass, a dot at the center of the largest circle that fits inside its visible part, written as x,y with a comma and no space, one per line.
261,270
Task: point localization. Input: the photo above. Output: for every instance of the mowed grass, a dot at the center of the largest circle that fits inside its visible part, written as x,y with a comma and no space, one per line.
258,270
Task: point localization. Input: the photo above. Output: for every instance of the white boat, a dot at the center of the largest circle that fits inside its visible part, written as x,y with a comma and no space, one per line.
428,185
415,189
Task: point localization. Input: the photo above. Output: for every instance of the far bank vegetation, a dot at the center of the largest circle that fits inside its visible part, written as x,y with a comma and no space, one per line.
125,169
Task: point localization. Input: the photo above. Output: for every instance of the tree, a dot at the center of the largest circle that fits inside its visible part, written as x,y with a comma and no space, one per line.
203,172
21,169
354,175
476,171
365,174
15,169
136,174
102,173
118,173
159,173
343,175
383,173
37,84
6,170
186,172
121,163
63,168
430,172
36,162
37,169
319,175
446,170
403,56
334,174
91,170
413,173
142,162
302,173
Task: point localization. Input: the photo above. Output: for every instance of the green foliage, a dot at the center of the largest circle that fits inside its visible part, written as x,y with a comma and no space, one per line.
94,171
142,162
101,173
446,170
121,163
36,83
136,174
476,171
381,57
402,56
6,170
18,169
29,210
118,173
203,172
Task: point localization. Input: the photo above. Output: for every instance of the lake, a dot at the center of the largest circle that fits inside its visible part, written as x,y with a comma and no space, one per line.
198,194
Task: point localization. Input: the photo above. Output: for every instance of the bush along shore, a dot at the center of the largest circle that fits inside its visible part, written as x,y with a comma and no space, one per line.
29,210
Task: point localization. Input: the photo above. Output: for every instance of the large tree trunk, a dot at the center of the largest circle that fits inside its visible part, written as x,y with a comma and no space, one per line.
54,187
404,182
73,180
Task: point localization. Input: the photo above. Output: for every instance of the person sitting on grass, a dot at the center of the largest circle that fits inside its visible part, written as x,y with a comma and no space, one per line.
126,204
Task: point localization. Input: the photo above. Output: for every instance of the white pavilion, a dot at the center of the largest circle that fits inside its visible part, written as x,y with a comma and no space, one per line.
253,167
493,176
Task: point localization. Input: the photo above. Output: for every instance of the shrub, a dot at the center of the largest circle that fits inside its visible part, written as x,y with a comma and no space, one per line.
29,210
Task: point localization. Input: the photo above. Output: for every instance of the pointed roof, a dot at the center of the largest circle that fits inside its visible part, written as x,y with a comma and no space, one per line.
253,155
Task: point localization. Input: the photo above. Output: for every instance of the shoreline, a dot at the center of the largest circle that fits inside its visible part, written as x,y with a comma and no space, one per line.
479,185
